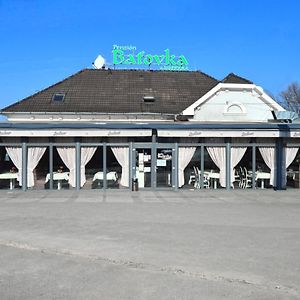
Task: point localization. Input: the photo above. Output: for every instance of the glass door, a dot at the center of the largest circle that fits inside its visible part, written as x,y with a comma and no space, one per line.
165,168
142,167
153,165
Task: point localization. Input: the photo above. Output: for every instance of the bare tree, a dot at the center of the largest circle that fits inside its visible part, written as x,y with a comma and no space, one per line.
291,97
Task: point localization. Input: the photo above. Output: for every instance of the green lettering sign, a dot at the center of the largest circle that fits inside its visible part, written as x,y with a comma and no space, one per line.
148,59
166,61
118,57
159,59
182,61
139,57
130,60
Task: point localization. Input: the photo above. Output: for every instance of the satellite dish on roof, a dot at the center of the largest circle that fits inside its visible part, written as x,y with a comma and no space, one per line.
99,62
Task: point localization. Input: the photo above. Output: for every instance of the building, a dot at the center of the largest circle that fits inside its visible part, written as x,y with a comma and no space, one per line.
102,128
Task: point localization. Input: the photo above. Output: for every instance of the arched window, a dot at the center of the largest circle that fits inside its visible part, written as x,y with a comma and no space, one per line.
235,108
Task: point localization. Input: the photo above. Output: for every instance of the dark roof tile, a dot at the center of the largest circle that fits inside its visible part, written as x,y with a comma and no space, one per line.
120,91
232,78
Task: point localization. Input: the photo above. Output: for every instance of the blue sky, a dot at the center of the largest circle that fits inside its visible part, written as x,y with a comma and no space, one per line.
43,42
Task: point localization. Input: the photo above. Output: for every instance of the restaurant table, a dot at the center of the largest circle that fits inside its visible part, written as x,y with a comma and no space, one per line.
213,175
262,176
59,177
11,176
109,176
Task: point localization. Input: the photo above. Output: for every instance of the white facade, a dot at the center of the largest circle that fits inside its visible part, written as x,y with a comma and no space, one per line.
234,103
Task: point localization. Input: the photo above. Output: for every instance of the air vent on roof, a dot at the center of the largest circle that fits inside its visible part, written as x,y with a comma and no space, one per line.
58,97
149,99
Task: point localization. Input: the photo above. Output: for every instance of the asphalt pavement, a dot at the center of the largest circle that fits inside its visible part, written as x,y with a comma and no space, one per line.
241,244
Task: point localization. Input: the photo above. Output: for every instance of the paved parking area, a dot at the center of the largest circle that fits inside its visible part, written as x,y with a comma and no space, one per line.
150,245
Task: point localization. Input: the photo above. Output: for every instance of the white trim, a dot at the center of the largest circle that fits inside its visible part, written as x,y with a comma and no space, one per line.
73,133
86,117
147,132
219,133
295,134
256,90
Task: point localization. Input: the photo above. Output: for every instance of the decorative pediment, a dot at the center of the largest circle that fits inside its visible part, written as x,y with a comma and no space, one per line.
233,102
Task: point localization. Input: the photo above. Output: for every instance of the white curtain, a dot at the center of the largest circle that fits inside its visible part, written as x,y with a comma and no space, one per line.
85,156
237,154
218,156
15,154
290,154
68,156
122,156
185,154
34,156
268,155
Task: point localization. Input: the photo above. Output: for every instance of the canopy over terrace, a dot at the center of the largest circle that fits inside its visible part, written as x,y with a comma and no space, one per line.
181,134
161,129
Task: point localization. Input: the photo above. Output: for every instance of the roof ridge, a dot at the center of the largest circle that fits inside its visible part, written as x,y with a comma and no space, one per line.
147,70
43,90
237,76
209,76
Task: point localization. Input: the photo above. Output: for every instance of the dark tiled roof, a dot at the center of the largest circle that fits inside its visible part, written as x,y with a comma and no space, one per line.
120,91
232,78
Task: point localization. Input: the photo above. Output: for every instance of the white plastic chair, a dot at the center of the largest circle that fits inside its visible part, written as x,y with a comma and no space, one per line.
197,178
206,181
247,178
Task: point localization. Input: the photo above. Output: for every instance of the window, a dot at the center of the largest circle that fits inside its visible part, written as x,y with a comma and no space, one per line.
149,99
58,97
234,108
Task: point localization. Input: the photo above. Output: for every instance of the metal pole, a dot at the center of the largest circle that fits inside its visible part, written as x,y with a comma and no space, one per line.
51,166
153,160
131,176
24,166
228,166
78,158
104,156
175,153
201,166
253,167
280,165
